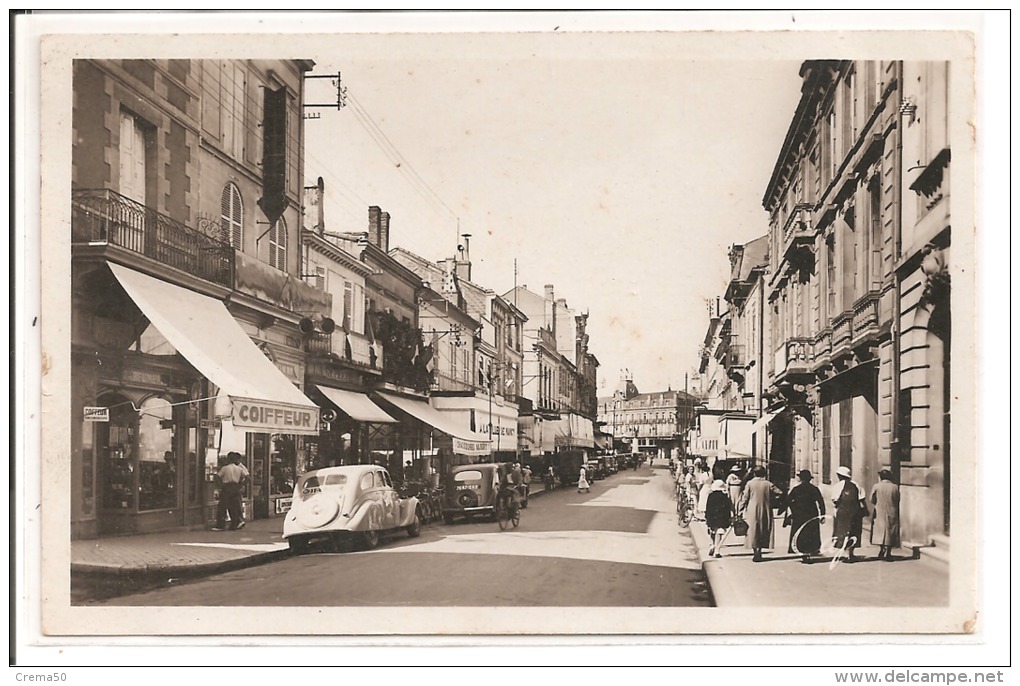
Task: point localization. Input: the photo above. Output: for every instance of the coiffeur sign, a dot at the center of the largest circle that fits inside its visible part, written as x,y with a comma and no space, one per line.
260,416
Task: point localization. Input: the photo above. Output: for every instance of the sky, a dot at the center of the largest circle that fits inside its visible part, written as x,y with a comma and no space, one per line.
618,172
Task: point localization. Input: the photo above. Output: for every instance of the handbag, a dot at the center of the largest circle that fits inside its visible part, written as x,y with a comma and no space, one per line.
739,526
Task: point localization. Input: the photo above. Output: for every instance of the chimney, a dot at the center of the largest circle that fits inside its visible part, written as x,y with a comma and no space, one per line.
384,231
374,224
464,261
550,309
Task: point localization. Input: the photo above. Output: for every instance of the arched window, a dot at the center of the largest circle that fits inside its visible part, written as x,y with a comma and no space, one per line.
231,216
278,245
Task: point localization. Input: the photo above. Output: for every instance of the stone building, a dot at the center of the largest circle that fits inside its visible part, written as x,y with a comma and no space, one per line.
858,358
186,292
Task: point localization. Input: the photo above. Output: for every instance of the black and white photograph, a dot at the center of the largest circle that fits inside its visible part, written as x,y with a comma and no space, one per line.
357,327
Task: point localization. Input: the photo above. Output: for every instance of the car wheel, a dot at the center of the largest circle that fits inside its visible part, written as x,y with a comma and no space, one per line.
297,545
414,529
370,539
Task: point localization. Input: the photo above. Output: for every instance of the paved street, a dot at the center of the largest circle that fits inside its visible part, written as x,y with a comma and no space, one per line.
616,546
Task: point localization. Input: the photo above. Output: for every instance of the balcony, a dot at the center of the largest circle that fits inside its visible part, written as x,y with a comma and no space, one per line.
793,360
841,333
798,244
103,217
350,348
865,319
735,362
821,349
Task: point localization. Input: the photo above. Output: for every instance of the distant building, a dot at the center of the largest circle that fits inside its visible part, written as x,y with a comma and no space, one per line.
654,423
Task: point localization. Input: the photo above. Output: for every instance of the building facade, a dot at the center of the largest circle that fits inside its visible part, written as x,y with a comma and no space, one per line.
186,196
652,423
858,285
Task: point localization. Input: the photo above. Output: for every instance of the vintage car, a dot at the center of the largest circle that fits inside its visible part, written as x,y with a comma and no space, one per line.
341,505
471,491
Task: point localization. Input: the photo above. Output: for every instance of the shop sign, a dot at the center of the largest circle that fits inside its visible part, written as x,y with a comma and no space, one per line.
463,447
209,424
264,417
96,414
283,505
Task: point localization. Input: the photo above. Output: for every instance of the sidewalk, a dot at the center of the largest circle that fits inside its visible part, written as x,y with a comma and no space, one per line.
184,553
783,580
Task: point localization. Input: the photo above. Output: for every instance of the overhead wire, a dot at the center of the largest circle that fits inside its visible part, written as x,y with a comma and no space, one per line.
396,157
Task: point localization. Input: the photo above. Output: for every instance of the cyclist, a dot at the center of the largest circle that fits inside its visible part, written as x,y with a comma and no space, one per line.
511,483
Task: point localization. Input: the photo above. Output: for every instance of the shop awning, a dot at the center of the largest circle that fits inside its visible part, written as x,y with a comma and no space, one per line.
465,441
763,421
357,406
204,332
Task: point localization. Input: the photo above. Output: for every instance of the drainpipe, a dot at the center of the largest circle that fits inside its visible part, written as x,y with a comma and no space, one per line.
895,449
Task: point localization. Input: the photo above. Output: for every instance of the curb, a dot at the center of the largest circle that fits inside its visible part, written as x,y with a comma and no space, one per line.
160,571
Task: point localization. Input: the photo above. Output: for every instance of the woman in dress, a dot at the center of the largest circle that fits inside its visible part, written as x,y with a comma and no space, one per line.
885,531
582,481
850,509
807,512
718,516
756,504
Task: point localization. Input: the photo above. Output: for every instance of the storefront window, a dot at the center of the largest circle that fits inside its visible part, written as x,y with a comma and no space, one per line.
157,464
117,448
282,464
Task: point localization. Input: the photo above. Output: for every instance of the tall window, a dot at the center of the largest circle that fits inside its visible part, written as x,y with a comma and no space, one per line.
231,216
132,158
232,108
278,245
875,227
348,305
132,180
846,432
830,276
833,147
826,444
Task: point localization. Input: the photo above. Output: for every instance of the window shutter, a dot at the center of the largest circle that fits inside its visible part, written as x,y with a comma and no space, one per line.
231,216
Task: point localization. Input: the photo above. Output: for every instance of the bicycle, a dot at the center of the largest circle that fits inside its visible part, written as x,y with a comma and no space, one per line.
507,510
684,507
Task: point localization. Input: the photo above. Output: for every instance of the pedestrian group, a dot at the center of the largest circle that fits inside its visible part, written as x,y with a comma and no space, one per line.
744,504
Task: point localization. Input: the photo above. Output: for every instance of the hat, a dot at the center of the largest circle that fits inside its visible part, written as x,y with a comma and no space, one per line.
735,468
718,485
843,471
804,474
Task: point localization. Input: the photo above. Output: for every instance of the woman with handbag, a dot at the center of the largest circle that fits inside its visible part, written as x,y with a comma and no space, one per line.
850,510
805,514
718,516
885,531
756,505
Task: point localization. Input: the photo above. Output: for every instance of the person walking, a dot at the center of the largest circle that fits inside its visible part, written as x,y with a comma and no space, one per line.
233,476
718,516
806,512
885,529
756,505
526,479
850,509
582,481
734,486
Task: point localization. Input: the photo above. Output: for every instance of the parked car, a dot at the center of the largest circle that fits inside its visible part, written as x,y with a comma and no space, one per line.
345,504
471,492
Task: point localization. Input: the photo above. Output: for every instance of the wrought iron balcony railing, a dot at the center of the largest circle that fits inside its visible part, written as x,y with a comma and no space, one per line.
106,217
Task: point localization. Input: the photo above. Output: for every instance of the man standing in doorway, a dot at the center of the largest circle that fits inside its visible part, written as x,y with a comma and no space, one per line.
233,476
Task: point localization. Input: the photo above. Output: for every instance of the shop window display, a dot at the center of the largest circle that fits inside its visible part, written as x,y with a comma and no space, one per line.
116,442
157,462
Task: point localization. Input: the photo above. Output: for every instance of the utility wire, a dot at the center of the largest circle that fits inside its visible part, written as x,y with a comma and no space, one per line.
391,151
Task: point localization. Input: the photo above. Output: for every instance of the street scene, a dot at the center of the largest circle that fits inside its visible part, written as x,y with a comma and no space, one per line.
378,326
